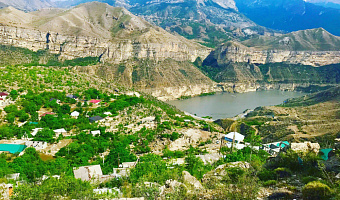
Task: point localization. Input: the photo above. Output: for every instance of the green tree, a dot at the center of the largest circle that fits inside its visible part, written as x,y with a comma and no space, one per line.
14,94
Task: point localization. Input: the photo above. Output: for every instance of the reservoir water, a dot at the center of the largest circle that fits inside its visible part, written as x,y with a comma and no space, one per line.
225,105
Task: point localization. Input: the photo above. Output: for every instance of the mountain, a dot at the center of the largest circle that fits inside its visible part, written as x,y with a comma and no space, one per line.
326,3
306,40
114,36
208,21
28,5
290,15
302,57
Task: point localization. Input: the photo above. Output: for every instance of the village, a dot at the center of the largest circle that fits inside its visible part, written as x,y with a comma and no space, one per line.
212,145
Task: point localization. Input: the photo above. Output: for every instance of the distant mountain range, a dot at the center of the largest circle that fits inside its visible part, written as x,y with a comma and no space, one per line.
214,21
290,15
326,3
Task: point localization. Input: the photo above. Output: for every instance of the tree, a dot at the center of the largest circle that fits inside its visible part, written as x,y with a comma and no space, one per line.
14,94
46,135
10,118
118,153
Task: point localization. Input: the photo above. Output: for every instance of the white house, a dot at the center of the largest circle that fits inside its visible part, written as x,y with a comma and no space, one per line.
86,173
94,133
60,131
35,131
75,114
107,113
234,135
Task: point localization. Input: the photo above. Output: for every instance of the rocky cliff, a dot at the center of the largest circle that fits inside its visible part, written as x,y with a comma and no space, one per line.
237,53
167,79
96,30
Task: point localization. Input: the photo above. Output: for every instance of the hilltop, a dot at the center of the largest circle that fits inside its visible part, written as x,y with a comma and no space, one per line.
305,40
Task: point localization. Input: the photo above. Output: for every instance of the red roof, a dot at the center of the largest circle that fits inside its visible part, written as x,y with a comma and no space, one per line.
1,99
3,94
47,113
95,101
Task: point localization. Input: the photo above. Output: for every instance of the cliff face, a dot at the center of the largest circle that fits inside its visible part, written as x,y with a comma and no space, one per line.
70,47
94,29
237,53
156,78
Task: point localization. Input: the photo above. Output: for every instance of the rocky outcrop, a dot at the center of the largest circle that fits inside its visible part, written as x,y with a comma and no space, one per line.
70,47
191,181
238,53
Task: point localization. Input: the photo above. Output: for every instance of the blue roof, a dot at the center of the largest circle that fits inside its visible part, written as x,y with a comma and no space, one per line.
35,123
12,148
283,144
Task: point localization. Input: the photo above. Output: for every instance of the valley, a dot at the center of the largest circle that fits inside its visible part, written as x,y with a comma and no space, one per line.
145,100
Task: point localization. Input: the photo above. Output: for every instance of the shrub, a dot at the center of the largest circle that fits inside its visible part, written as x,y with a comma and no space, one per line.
283,172
316,191
270,183
265,175
308,179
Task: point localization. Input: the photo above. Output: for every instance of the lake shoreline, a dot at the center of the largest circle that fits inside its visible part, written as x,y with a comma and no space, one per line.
228,105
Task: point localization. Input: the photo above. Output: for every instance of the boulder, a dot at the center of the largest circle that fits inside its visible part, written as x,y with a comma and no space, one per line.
305,147
191,180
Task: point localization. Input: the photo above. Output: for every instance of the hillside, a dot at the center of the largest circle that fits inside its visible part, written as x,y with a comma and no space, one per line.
94,32
208,21
314,117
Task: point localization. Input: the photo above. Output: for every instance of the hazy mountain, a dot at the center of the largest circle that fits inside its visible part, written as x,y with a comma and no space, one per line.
290,15
326,3
306,40
208,21
28,5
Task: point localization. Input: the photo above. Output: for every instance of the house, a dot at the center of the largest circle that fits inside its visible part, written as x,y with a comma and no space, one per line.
148,119
94,133
3,95
96,119
128,164
47,113
234,135
75,114
87,173
14,176
35,131
60,131
72,96
133,94
3,99
107,113
94,101
38,145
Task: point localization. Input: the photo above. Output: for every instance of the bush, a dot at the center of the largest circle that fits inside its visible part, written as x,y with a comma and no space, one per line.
265,175
270,183
283,172
308,179
316,191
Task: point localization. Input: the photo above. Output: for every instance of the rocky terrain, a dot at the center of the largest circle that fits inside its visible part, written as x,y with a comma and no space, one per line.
113,34
314,47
